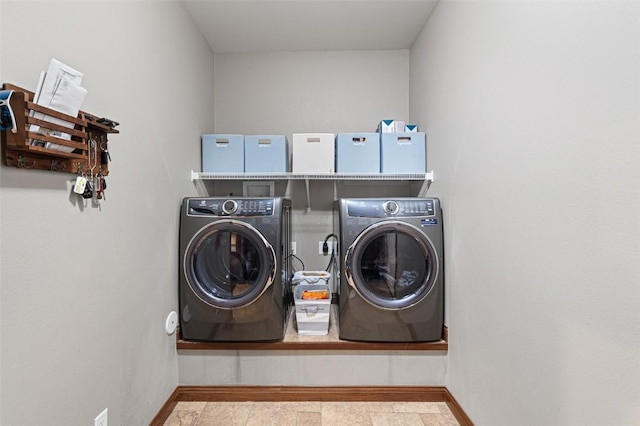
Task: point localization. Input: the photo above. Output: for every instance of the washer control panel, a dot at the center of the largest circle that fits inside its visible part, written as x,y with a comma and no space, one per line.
230,207
391,208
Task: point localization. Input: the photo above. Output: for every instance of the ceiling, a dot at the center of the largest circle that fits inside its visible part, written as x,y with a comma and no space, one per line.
232,26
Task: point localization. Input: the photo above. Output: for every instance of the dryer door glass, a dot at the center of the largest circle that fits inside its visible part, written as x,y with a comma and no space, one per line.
228,264
392,265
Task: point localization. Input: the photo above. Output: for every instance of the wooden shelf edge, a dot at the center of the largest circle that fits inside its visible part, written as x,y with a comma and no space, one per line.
440,345
342,345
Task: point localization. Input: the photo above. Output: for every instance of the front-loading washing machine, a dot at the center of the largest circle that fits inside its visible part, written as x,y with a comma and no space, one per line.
391,269
235,268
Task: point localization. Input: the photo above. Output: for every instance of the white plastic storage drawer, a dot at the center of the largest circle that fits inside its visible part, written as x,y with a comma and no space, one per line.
223,153
311,277
313,152
312,316
403,152
266,154
358,153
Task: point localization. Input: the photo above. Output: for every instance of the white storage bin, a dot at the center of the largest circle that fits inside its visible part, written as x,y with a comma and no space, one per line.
312,316
311,277
313,152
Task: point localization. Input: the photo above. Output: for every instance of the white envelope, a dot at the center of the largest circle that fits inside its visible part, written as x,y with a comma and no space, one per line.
67,99
48,86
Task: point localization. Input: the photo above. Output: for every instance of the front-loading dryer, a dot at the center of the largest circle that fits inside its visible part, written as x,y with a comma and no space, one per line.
234,268
391,270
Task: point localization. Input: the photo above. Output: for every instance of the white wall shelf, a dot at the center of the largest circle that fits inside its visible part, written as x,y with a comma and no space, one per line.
312,176
425,178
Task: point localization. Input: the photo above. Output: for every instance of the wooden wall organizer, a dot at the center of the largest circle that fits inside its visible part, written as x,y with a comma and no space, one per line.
18,151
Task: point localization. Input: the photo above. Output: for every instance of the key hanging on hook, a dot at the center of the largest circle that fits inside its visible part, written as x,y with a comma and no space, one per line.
103,186
88,190
105,157
100,186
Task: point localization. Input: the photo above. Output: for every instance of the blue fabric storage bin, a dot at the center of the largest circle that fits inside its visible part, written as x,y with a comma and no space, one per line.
358,153
403,152
223,153
266,154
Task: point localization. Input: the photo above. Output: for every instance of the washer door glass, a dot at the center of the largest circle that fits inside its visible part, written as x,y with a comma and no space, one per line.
229,264
392,265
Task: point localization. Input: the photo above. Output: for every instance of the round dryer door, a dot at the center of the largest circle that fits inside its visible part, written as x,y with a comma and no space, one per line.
392,265
229,264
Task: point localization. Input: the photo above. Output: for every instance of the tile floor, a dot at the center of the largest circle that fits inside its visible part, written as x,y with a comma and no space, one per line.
313,413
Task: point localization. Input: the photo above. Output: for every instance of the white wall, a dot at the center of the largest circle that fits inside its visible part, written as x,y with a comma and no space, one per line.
305,92
532,111
312,368
85,291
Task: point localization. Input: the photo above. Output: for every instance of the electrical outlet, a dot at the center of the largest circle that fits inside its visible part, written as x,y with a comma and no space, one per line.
101,420
330,244
293,247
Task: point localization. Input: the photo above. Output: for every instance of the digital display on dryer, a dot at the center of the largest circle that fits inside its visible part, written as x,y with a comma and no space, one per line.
230,207
379,208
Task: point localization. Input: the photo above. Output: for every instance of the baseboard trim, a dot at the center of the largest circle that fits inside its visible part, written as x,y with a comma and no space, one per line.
167,408
457,410
311,393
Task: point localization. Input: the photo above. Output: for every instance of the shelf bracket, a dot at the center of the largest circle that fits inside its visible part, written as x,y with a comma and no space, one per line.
426,183
199,184
306,182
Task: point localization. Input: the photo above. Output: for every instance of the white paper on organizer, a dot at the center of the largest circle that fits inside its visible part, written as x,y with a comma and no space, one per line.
54,75
32,113
67,99
56,72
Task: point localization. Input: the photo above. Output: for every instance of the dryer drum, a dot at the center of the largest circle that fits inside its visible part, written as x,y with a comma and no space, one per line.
392,265
229,264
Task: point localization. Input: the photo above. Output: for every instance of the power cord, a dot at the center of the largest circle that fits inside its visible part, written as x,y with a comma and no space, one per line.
325,244
299,260
325,251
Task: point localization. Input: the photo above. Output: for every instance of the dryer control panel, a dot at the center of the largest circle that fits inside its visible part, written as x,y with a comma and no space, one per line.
230,207
391,208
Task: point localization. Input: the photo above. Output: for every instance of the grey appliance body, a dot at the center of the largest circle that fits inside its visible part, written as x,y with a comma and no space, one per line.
391,269
235,268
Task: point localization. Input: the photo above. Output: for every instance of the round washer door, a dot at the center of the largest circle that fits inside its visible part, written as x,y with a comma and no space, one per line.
391,265
229,264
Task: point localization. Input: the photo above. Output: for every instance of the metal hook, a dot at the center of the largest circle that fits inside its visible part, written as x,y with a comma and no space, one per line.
55,167
79,168
21,163
94,164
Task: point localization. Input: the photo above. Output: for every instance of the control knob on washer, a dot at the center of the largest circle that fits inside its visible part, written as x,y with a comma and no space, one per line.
391,207
230,206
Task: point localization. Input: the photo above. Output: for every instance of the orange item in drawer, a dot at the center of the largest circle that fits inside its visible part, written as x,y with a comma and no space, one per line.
315,294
